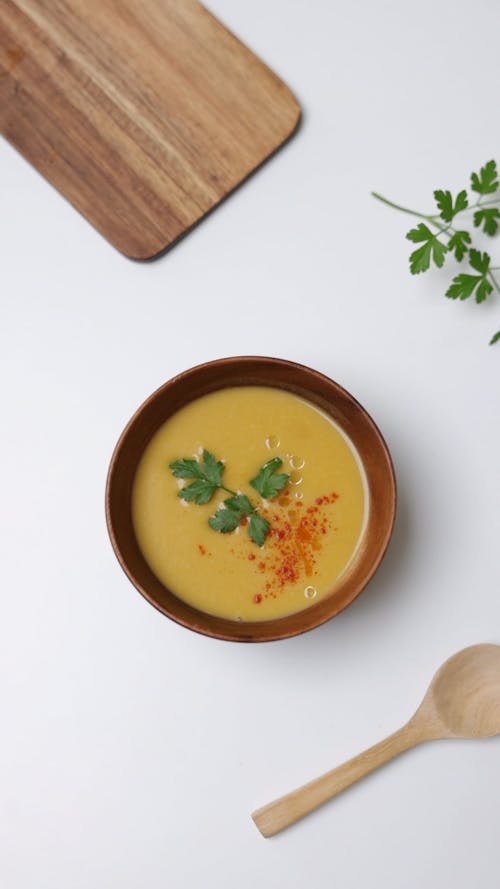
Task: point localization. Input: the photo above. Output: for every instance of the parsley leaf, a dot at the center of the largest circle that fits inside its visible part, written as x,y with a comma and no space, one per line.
212,468
448,209
240,504
479,261
186,469
258,528
200,491
267,482
208,475
484,290
458,244
495,338
434,249
487,180
225,520
488,216
230,514
464,285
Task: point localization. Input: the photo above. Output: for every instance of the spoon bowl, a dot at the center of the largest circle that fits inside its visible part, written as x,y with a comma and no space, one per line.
465,693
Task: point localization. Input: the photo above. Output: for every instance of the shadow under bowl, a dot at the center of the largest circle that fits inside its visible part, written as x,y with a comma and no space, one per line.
251,371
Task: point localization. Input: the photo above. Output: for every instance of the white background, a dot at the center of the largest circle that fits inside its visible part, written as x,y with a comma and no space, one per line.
131,750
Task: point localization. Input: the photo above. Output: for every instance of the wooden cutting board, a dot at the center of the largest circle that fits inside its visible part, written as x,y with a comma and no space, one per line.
145,114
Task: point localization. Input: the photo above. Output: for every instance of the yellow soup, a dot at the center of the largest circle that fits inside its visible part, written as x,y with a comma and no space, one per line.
316,521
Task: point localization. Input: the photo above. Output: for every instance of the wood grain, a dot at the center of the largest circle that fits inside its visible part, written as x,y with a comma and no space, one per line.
462,701
283,812
145,114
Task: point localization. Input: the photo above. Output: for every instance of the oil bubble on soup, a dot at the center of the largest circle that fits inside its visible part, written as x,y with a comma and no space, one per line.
272,441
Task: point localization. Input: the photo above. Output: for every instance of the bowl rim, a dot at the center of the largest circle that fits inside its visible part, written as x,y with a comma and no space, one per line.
200,626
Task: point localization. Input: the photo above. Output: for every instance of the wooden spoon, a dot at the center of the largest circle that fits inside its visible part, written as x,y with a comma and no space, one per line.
462,701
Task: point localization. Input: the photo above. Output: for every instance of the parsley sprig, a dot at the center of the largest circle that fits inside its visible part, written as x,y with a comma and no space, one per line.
439,236
268,482
206,479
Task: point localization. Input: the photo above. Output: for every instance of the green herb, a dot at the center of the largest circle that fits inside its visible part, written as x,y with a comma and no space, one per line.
459,244
229,516
488,217
237,508
438,237
464,285
447,206
258,528
233,512
208,475
433,248
268,482
487,181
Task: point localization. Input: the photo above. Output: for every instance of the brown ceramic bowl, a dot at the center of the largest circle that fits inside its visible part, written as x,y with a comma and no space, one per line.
251,371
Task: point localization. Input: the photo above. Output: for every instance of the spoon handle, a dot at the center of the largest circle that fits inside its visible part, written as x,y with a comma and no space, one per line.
283,812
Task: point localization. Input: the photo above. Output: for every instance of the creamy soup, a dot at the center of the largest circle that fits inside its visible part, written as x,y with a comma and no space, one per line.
313,525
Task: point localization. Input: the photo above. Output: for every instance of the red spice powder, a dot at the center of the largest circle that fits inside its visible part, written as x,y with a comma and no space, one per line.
293,544
201,549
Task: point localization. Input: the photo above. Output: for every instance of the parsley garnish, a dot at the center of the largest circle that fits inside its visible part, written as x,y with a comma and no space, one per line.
233,512
437,236
268,482
258,528
237,508
208,475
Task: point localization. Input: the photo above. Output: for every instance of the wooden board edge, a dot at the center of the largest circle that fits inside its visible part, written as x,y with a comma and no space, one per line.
164,250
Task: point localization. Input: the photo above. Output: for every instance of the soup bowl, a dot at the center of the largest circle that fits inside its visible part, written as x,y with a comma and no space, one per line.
277,373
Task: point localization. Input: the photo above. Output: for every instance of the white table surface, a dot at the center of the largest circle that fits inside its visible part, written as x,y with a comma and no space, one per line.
131,750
